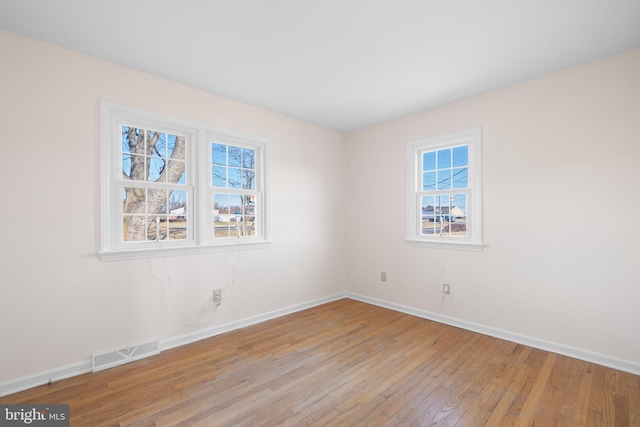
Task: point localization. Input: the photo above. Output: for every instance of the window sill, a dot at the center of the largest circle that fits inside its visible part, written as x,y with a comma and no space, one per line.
463,246
127,254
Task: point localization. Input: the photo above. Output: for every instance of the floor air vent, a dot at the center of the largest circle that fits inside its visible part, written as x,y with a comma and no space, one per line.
124,355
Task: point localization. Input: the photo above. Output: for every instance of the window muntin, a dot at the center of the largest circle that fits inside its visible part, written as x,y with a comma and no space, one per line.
444,215
234,215
154,191
161,177
233,167
161,216
234,182
443,191
443,205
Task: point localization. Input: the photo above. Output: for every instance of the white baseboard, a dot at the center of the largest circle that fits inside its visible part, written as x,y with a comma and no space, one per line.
30,381
85,366
576,353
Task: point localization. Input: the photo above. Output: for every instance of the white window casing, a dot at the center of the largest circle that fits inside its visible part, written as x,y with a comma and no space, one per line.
197,212
436,225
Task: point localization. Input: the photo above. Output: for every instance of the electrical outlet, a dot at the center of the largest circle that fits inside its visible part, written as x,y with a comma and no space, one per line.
446,289
217,296
383,276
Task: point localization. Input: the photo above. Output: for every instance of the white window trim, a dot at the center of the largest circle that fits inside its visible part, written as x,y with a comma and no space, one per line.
473,242
227,139
201,204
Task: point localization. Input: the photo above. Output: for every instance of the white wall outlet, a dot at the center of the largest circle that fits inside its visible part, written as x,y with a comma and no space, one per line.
383,276
217,296
446,289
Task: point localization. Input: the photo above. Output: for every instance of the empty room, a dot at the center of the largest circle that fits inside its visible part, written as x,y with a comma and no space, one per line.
288,212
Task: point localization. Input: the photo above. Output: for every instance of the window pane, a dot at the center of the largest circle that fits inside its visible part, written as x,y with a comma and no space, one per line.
444,179
460,156
125,140
429,161
175,159
427,204
157,227
428,223
178,230
235,204
459,201
249,226
444,215
442,203
157,203
428,181
220,215
429,227
177,215
444,158
170,145
459,214
173,143
249,203
227,215
177,172
219,177
126,164
156,166
235,155
218,154
248,179
133,228
239,169
234,178
134,200
220,201
136,168
145,155
161,145
448,213
177,227
248,158
132,140
220,228
460,178
178,203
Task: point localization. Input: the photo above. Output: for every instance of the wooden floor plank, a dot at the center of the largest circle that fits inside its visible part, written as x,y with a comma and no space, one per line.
349,363
633,387
581,409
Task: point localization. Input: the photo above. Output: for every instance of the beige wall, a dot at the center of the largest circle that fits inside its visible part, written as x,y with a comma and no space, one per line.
58,302
561,186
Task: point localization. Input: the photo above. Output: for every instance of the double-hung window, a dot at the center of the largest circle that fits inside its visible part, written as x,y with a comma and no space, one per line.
172,186
236,197
444,191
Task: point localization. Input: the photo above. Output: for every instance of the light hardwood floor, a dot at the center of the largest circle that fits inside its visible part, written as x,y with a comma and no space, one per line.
348,363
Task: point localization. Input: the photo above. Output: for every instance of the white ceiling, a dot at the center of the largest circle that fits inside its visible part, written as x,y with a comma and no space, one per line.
341,64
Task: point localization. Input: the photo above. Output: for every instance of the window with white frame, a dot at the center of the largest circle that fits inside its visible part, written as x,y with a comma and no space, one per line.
444,191
172,186
236,201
